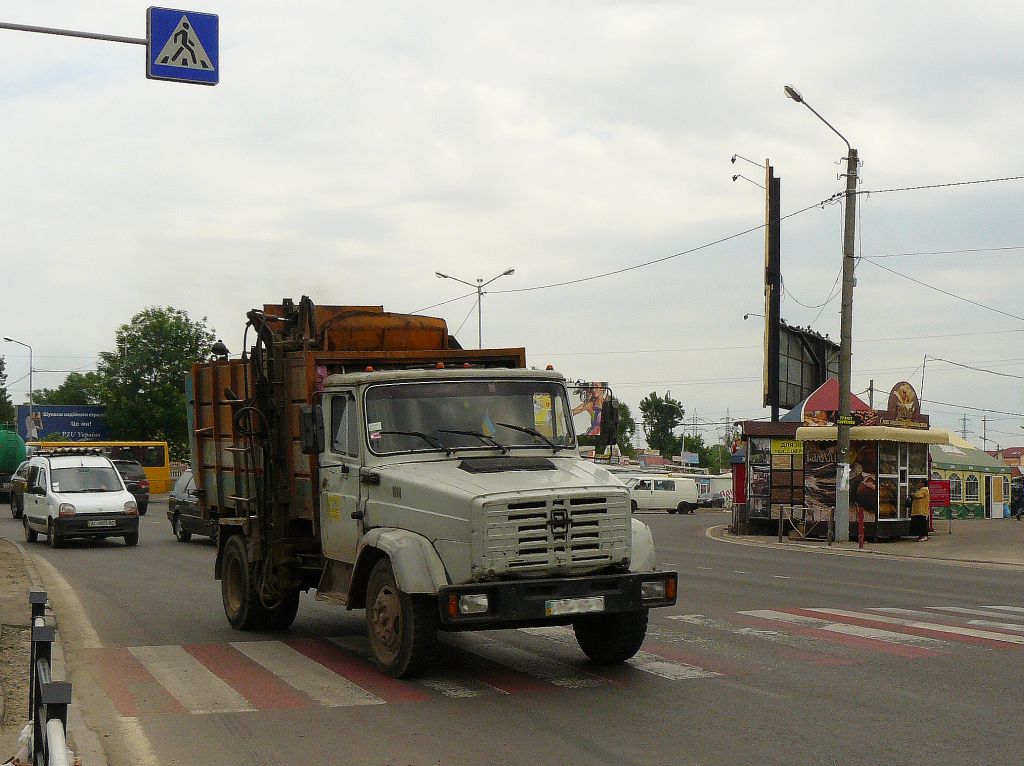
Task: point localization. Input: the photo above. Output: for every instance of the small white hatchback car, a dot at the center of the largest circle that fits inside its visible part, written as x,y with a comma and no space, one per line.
77,492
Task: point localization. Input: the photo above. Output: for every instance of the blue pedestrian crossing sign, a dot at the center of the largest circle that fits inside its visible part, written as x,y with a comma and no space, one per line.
182,46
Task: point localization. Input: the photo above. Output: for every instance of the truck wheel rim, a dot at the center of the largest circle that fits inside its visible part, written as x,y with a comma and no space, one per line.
387,619
233,586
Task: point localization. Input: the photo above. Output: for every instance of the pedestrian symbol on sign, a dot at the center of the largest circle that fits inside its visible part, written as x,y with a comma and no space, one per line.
184,49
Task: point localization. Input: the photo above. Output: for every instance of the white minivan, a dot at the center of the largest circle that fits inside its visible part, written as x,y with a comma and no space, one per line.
669,493
77,492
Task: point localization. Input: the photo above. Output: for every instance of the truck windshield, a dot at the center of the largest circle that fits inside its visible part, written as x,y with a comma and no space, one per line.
473,407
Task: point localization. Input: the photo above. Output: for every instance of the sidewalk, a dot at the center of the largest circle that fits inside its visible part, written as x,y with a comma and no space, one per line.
15,636
995,542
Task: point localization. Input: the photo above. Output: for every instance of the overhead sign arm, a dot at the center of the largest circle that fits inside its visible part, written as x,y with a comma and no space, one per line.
181,46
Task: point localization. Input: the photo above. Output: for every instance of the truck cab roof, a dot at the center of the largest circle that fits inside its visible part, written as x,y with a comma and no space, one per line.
398,376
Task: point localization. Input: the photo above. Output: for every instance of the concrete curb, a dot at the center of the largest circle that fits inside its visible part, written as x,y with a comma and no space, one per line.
81,739
720,533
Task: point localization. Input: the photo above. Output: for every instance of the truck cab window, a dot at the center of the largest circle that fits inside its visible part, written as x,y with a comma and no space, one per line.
344,425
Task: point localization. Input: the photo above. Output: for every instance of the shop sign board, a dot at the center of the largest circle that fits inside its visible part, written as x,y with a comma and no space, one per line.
787,447
938,493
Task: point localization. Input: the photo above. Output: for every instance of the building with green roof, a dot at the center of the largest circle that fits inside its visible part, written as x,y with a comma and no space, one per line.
979,484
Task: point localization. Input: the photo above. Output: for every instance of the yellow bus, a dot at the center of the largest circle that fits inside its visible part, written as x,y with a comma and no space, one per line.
153,457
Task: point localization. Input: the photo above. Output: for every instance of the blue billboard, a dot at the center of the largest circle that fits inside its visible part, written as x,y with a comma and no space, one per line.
72,422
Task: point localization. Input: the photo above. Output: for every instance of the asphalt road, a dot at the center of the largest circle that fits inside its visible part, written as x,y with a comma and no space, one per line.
746,669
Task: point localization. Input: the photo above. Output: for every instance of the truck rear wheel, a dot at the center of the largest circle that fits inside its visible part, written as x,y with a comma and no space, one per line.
283,615
611,638
238,588
402,628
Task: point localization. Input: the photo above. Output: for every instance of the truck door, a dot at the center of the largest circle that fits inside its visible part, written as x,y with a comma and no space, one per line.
339,479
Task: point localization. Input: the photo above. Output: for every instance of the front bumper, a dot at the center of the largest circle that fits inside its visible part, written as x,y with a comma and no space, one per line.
523,603
96,525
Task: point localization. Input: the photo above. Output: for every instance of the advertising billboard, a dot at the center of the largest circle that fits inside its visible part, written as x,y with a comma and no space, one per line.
71,422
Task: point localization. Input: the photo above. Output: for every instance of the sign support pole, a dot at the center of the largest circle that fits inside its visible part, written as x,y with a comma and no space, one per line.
73,33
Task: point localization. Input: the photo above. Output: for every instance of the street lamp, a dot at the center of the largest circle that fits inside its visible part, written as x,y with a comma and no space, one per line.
12,340
841,516
479,287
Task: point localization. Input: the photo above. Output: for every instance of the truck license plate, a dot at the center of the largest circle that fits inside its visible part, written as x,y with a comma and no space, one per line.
573,605
101,523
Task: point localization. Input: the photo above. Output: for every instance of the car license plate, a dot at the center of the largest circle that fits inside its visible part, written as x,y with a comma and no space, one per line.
101,523
573,605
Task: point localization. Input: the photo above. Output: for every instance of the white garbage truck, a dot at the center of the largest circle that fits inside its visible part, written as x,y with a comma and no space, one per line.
367,456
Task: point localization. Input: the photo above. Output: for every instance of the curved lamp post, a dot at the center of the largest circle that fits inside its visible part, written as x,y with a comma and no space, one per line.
841,517
479,287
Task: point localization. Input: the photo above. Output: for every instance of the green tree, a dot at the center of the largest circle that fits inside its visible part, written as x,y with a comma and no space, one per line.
661,415
144,380
7,412
77,388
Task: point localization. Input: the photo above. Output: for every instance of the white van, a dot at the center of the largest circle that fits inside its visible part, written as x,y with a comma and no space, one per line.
670,493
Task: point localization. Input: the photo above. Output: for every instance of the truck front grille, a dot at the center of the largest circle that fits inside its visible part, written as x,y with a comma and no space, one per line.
576,533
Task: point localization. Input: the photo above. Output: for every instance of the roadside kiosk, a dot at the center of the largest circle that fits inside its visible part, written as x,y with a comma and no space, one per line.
791,464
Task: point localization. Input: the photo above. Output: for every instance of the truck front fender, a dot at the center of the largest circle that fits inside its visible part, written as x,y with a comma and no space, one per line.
642,557
417,567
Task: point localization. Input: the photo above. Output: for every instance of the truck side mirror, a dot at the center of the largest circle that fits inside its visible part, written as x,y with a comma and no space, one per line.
609,422
311,428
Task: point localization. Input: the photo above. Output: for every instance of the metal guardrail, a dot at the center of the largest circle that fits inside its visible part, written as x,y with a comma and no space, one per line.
48,700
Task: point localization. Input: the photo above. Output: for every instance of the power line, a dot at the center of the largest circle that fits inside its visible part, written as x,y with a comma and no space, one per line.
977,369
977,409
443,303
942,186
692,250
968,251
945,292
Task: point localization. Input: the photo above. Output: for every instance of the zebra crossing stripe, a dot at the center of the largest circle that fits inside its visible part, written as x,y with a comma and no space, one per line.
358,670
896,610
976,612
932,629
305,674
802,648
447,685
189,681
530,663
129,686
262,689
645,661
1015,627
816,628
1006,608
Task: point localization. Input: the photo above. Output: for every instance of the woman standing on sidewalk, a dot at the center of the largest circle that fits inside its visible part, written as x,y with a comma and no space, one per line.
919,507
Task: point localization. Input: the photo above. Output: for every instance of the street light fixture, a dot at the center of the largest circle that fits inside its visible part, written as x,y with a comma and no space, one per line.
841,516
30,411
479,287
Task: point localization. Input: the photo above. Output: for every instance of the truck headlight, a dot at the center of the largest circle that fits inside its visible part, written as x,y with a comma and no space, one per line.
662,589
473,603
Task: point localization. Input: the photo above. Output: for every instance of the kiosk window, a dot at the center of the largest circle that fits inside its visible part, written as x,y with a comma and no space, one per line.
971,488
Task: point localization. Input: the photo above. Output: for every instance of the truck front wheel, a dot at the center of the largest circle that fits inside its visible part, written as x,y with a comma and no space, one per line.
611,638
402,628
238,588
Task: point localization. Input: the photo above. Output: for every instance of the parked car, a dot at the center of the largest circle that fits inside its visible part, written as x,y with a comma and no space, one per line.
135,480
711,500
18,482
672,494
77,492
183,511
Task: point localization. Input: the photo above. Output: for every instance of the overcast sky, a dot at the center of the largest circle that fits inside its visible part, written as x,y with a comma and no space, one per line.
353,149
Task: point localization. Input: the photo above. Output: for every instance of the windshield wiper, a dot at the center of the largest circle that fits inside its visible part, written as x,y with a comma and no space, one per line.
532,432
476,435
428,439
